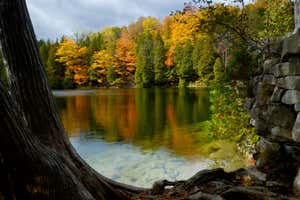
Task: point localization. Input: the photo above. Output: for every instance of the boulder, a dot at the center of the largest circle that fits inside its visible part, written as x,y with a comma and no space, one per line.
249,103
289,82
296,129
269,79
286,69
291,46
277,94
254,172
297,184
297,107
266,150
281,116
291,97
281,132
264,93
261,127
269,64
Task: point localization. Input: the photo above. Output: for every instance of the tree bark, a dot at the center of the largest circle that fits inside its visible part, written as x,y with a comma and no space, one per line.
37,160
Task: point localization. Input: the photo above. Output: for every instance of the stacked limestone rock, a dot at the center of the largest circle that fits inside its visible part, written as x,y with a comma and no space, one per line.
275,111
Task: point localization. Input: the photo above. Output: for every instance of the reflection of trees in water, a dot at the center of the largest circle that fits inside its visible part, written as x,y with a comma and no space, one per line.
149,118
74,113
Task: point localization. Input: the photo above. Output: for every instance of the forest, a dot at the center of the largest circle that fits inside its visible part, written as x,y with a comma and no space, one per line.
192,47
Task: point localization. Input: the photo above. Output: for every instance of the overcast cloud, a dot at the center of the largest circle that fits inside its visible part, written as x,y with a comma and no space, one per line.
54,18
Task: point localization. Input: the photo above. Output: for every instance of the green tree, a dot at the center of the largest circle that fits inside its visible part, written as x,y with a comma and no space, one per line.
144,76
110,35
93,42
158,60
111,76
204,65
218,70
178,55
54,69
44,47
185,70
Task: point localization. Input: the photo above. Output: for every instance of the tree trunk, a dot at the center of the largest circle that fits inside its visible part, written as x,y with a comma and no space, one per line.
37,160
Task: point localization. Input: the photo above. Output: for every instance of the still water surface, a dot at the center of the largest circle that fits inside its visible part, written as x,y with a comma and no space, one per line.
138,136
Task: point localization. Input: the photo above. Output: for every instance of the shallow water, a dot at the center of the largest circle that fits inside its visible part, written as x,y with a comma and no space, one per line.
138,136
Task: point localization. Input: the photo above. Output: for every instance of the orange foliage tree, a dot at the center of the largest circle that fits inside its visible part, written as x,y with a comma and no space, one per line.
125,51
75,60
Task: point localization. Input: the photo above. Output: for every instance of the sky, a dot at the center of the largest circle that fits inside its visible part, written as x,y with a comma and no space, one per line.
55,18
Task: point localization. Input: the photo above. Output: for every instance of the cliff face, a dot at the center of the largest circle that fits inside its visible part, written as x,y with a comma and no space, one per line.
275,112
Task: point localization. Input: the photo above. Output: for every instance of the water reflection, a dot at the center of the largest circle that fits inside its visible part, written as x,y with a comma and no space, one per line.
148,118
137,136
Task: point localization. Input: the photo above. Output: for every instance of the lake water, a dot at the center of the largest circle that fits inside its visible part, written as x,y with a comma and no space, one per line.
138,136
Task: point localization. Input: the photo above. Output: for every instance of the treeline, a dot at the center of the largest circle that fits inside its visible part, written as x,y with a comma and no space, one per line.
194,46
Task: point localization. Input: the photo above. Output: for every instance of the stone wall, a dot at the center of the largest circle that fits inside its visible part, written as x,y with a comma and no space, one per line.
275,112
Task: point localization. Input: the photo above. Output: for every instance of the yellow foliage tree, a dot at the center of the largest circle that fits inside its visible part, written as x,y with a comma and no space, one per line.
151,25
102,61
180,28
75,60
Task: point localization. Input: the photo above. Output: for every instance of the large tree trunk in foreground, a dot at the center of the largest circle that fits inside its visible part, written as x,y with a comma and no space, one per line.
37,160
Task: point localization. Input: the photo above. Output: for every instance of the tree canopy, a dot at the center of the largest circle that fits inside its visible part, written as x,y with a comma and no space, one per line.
180,49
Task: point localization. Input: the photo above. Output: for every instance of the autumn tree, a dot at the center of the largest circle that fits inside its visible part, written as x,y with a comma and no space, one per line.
105,65
110,35
125,51
74,58
238,33
93,42
135,29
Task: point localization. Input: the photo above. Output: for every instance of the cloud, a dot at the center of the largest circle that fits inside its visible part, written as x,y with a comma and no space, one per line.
55,18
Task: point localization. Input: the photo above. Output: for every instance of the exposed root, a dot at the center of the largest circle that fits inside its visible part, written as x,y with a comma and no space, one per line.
246,184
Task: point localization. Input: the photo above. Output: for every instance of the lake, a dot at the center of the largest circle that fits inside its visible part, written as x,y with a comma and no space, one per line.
138,136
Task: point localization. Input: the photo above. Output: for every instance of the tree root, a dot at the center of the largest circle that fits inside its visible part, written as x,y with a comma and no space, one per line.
217,185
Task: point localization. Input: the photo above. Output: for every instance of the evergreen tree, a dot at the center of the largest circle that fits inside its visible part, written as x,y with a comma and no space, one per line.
44,48
158,60
144,76
55,70
197,54
186,71
96,44
111,75
178,54
204,66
